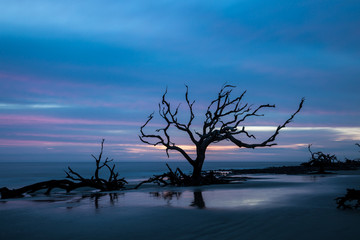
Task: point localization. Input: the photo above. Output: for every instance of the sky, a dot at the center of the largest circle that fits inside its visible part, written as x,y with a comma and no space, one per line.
75,72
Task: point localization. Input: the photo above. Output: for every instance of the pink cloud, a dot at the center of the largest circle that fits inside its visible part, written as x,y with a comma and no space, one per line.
32,143
317,112
14,77
31,119
39,80
67,136
66,89
47,86
44,143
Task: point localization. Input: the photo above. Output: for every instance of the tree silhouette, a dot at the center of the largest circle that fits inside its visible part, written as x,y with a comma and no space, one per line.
224,119
321,160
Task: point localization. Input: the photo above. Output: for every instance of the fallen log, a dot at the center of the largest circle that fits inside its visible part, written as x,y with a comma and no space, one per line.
350,200
178,178
76,181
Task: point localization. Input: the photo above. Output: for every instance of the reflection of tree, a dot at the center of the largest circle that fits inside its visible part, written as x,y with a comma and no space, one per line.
198,200
99,199
166,195
95,197
350,200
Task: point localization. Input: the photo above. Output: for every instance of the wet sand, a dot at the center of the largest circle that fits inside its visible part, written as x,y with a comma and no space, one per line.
265,207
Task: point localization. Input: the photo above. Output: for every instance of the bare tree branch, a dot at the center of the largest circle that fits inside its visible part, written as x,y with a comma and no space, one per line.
222,120
268,142
160,139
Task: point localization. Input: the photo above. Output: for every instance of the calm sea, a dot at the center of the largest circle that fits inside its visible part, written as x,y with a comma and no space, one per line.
19,174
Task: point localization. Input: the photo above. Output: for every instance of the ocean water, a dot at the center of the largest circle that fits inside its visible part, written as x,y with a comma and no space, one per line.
266,207
18,174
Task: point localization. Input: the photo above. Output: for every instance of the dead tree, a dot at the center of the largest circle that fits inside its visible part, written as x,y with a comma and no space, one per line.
321,161
76,181
224,120
111,183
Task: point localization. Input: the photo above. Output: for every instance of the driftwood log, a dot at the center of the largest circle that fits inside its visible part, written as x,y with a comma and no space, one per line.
350,200
352,197
74,181
178,178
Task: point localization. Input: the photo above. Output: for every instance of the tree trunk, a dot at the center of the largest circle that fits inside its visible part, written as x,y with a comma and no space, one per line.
196,175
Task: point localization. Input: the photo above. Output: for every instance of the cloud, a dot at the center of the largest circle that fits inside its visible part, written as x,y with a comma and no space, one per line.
93,17
31,106
340,133
119,131
347,133
34,119
101,61
39,143
191,149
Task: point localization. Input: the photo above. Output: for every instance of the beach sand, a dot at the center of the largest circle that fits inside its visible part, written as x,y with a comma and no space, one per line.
265,207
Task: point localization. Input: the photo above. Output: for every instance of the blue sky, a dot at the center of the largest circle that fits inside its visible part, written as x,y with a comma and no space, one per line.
74,72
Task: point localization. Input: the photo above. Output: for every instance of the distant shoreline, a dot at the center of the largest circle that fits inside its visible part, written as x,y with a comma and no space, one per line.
294,170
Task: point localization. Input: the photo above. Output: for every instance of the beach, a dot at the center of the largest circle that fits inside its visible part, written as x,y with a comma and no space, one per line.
266,206
179,120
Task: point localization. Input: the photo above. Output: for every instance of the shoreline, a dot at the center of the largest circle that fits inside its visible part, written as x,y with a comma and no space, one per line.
268,206
233,176
297,169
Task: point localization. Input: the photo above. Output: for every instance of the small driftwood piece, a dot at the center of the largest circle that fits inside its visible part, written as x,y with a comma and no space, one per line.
350,200
112,183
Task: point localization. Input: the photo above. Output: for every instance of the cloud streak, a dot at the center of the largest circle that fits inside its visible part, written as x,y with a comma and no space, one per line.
31,106
340,133
34,119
